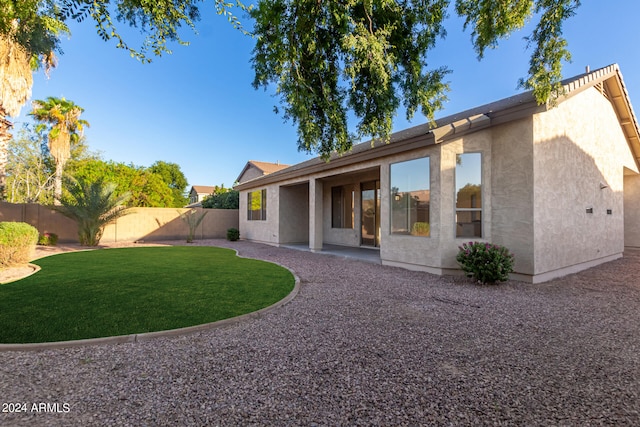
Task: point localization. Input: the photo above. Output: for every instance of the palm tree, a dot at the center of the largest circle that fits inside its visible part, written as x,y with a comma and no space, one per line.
62,118
16,80
92,205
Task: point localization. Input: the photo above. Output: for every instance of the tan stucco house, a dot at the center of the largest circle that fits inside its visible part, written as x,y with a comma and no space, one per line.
559,187
198,193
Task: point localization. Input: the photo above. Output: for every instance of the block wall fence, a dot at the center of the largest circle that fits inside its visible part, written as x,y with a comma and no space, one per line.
141,224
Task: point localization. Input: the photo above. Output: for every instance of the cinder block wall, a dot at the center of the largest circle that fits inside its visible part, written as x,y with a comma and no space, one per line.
148,224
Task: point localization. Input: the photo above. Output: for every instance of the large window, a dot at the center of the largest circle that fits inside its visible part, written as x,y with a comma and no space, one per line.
469,195
410,197
257,205
342,207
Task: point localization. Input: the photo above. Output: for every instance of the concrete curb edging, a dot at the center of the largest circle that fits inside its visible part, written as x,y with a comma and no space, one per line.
146,336
35,268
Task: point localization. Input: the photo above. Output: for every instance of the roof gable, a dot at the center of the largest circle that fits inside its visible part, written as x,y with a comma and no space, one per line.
260,169
202,189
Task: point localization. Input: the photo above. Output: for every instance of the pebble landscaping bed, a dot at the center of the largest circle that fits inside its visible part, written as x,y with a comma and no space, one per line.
363,344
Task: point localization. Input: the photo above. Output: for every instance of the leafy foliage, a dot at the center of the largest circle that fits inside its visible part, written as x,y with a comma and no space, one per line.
485,262
328,60
368,57
31,168
492,20
30,173
222,198
92,205
329,57
172,175
36,26
17,241
160,20
146,189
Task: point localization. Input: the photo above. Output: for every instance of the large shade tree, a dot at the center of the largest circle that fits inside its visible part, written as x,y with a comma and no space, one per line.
368,57
332,59
62,119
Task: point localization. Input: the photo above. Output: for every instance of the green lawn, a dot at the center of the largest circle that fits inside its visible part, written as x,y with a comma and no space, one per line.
133,290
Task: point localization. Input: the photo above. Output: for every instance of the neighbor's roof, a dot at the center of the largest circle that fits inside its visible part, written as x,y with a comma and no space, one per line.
608,80
265,167
203,189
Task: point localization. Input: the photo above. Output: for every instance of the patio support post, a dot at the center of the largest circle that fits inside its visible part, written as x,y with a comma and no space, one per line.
315,215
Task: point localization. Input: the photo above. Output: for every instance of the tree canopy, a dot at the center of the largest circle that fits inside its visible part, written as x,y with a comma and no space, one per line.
37,24
328,60
172,175
368,57
146,188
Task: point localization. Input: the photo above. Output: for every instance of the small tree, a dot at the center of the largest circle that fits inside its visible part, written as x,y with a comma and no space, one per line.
93,206
193,220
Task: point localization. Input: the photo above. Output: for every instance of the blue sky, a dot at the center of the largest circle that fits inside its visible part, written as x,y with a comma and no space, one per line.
197,107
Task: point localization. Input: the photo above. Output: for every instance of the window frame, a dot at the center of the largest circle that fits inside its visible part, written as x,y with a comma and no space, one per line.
262,211
410,225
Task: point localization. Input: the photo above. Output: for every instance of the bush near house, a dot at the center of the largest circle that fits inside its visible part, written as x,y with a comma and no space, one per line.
484,262
233,234
17,242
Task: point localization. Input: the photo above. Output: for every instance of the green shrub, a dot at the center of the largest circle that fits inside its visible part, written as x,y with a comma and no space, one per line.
485,262
233,234
227,200
420,229
48,239
17,242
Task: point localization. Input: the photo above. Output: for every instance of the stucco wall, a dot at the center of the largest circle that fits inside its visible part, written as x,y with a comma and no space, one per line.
478,142
512,191
579,146
140,224
415,252
632,210
294,214
251,173
265,231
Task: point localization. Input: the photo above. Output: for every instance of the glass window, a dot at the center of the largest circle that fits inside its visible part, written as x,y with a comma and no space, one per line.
469,195
342,207
257,205
410,197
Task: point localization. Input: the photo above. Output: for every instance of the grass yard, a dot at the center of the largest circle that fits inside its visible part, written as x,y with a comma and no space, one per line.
112,292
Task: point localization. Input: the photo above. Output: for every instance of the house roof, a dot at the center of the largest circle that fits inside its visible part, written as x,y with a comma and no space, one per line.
203,189
608,80
265,167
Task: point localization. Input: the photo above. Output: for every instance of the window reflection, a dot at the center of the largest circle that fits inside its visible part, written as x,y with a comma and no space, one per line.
469,195
410,197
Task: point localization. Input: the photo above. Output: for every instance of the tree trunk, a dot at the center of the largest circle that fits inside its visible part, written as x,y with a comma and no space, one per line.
5,137
57,188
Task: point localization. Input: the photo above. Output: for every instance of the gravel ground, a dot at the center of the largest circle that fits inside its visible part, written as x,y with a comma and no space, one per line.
364,344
